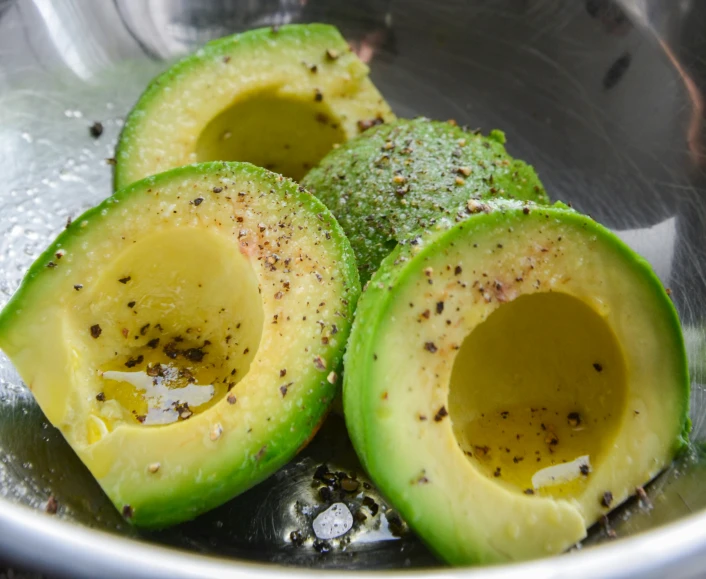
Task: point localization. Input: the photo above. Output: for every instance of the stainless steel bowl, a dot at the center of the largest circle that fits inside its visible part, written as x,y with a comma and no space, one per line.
604,97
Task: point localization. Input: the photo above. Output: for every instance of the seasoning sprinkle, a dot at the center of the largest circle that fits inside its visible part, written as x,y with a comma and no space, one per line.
216,432
574,419
607,499
430,347
96,331
96,129
319,363
441,414
52,505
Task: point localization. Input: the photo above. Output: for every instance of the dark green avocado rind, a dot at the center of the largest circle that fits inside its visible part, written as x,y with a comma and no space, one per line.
184,501
398,178
233,46
373,314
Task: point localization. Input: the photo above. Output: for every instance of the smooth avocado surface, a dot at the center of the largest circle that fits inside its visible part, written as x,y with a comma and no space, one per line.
512,379
397,178
279,98
185,334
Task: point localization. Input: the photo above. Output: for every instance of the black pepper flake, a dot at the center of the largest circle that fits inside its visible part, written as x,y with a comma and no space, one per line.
529,491
584,469
52,505
430,347
194,354
322,547
51,264
364,125
155,370
283,389
498,472
457,270
198,201
597,367
153,343
607,499
644,499
127,512
132,362
96,129
441,414
526,210
574,419
143,329
282,372
318,95
131,304
111,161
95,330
78,287
349,485
100,397
231,399
217,189
296,538
371,505
125,279
439,307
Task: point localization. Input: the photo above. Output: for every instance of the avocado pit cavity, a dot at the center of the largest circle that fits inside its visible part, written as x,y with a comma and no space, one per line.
281,133
528,407
162,360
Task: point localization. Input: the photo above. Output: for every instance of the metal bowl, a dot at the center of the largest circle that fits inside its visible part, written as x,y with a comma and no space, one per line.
604,97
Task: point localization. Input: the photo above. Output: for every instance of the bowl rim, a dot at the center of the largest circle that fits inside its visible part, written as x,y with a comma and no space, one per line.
40,541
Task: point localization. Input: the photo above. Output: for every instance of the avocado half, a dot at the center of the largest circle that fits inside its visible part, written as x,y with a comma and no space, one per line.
279,98
513,378
397,178
185,334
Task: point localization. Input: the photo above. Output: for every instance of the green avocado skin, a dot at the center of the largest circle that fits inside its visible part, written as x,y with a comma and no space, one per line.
399,178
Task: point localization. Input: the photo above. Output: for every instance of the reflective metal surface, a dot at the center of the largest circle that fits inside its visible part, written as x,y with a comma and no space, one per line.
604,98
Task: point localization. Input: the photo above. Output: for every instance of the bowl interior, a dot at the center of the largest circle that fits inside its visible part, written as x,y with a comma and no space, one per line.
602,97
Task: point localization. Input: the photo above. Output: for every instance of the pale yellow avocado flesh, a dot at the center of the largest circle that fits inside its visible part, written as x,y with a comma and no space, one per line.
184,336
280,99
540,382
513,343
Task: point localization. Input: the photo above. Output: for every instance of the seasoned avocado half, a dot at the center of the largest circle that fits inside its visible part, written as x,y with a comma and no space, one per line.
184,335
276,98
395,179
510,380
